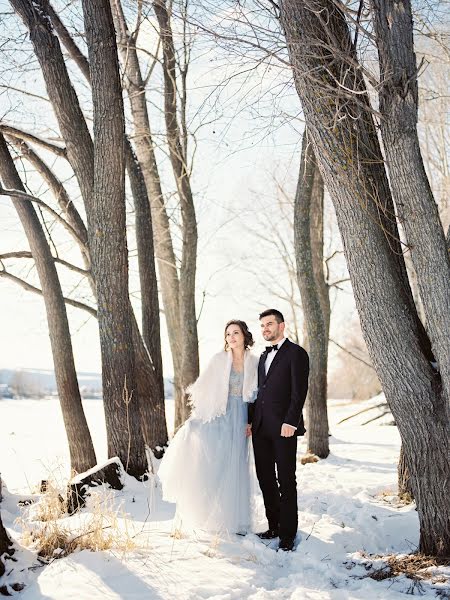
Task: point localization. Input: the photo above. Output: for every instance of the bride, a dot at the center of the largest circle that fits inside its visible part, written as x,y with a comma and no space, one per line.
206,467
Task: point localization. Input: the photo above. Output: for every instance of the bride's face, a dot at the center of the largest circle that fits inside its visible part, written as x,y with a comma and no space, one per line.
234,337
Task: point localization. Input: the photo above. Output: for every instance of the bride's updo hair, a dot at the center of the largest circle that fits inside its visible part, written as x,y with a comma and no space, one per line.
248,338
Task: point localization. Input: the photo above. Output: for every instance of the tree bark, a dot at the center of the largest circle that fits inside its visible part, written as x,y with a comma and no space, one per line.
315,320
109,244
82,455
338,115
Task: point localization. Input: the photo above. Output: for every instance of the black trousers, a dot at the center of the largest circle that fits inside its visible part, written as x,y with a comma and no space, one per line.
279,488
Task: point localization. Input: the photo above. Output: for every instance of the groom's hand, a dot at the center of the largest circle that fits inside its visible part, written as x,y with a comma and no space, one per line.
287,430
248,430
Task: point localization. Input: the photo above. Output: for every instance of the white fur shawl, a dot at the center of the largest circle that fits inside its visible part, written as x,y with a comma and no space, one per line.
209,394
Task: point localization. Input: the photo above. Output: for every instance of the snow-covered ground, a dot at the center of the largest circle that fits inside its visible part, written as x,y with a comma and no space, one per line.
347,510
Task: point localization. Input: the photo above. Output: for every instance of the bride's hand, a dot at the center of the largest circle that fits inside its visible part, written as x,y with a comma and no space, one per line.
248,430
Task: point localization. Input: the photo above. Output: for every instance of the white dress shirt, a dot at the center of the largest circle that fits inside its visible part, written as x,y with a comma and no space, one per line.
269,360
271,355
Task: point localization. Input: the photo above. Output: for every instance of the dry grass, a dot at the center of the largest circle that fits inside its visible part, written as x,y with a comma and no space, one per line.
416,567
177,533
51,506
394,499
405,498
309,458
53,535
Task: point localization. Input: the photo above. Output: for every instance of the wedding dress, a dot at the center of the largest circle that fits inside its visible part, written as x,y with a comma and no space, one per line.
206,468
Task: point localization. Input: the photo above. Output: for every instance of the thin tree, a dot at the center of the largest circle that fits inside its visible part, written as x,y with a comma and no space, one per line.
308,242
82,454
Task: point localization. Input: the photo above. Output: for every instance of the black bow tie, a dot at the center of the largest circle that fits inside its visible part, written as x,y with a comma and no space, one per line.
270,348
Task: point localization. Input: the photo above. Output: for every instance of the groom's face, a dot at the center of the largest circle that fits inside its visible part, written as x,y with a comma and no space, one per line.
271,330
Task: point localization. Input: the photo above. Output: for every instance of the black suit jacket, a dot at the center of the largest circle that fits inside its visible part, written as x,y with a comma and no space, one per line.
282,392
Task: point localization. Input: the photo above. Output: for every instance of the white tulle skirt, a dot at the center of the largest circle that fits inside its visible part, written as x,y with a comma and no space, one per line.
205,471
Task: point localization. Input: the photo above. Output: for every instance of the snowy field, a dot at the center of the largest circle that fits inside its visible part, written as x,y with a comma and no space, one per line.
347,511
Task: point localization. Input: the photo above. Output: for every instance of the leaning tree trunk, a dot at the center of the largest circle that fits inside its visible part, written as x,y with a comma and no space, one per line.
82,454
317,418
109,244
338,115
80,154
416,208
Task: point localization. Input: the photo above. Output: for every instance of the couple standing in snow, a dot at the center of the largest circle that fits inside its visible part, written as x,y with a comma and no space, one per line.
206,467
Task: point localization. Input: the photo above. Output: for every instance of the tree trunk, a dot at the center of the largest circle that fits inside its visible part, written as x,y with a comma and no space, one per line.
82,455
80,154
150,301
167,267
416,208
338,115
317,418
7,551
109,244
188,317
317,219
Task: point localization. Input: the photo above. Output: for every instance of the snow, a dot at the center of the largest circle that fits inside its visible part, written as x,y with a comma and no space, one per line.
347,511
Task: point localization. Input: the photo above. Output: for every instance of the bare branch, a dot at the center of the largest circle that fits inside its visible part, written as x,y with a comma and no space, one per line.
57,188
27,254
65,37
24,196
352,355
29,137
31,288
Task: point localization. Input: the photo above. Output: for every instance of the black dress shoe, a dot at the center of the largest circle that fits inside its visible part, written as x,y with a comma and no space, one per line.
286,544
270,534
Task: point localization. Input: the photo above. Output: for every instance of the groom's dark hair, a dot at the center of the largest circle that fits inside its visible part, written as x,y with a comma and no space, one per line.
272,312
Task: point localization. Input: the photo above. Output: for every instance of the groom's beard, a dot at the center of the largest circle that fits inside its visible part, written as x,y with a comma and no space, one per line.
271,337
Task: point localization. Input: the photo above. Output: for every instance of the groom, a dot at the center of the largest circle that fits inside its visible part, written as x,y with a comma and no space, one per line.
275,420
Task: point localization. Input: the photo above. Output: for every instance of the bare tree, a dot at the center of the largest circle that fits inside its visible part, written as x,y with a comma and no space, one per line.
80,153
316,305
177,286
177,141
82,455
330,84
143,227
